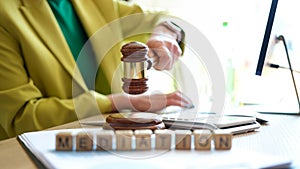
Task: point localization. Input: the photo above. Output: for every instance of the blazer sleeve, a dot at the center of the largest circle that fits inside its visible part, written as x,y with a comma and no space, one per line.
23,107
138,23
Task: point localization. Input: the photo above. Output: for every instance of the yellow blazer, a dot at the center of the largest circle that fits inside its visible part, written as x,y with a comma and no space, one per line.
39,85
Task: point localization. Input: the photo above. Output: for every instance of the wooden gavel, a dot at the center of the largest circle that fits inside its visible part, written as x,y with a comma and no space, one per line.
135,65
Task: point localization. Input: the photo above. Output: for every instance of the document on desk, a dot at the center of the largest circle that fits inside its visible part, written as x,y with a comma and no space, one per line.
42,146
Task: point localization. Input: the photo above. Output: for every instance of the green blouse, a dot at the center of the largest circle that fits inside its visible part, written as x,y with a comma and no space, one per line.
76,38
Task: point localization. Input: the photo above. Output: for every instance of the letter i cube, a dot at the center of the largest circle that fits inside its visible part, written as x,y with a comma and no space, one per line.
124,139
183,139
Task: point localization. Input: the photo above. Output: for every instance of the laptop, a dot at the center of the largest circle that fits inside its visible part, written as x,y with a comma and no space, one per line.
235,119
235,124
232,123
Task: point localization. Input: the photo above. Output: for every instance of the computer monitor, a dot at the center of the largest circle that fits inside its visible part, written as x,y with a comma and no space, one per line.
266,39
270,40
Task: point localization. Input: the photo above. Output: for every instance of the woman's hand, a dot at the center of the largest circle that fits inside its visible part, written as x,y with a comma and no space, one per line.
150,103
164,48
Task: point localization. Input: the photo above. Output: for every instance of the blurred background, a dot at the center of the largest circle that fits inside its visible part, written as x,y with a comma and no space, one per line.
235,28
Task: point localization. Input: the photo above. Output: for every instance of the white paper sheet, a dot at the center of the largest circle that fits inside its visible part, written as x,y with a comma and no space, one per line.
42,145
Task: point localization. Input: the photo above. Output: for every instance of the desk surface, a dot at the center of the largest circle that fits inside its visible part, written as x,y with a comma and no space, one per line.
281,136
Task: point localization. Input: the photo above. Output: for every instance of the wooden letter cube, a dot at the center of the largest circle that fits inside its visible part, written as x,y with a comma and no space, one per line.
104,140
163,139
64,141
223,140
183,139
84,142
202,139
143,139
124,139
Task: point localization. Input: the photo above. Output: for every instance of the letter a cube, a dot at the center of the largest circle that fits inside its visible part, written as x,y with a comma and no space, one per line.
143,139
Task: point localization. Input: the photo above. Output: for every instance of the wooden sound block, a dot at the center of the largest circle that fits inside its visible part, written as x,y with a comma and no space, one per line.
84,142
223,140
163,139
202,139
134,121
104,140
64,141
108,126
124,139
143,139
134,118
183,139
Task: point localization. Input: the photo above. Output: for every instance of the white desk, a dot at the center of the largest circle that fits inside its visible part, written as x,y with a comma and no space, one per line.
280,137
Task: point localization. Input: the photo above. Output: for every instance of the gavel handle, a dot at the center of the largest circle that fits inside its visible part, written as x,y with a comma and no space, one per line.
154,59
150,62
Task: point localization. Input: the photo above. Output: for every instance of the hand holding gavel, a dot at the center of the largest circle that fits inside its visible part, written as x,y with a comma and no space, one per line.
136,63
165,50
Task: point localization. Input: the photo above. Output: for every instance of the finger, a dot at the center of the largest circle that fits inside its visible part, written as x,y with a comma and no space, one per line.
185,97
164,61
173,102
174,48
153,54
180,97
172,53
176,51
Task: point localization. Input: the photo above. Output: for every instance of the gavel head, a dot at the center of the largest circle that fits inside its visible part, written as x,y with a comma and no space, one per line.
135,64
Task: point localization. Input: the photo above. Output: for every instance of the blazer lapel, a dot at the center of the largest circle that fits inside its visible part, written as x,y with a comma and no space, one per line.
95,17
91,16
39,14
